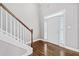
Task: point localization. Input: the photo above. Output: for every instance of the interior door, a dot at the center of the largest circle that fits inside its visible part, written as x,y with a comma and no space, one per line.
54,29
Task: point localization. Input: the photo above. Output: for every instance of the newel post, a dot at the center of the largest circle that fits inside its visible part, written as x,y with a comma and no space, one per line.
31,37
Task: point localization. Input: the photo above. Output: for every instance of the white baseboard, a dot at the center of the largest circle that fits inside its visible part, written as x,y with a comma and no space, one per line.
73,49
37,40
64,46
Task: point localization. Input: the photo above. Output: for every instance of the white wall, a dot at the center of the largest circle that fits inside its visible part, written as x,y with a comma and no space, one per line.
71,19
27,13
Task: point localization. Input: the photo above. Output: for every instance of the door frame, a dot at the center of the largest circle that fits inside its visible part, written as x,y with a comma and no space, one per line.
62,12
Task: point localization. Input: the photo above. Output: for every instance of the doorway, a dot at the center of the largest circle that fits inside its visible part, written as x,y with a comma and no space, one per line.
54,28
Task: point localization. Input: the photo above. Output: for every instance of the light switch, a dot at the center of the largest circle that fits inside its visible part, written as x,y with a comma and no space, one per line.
69,27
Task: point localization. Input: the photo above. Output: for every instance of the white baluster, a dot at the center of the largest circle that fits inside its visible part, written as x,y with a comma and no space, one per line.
10,24
27,37
0,18
20,32
14,27
17,30
6,22
23,34
3,20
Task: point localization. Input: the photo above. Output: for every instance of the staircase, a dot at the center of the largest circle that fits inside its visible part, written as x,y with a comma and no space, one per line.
14,32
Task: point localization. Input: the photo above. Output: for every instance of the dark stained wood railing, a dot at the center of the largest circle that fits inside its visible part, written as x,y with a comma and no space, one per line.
10,12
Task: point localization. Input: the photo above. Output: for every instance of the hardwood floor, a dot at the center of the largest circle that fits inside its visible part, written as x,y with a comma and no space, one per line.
39,49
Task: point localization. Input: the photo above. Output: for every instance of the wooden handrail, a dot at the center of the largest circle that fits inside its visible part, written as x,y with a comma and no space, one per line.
31,30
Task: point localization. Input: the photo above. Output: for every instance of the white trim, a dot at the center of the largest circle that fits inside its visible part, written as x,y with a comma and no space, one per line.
37,40
54,14
62,33
45,30
73,49
64,46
